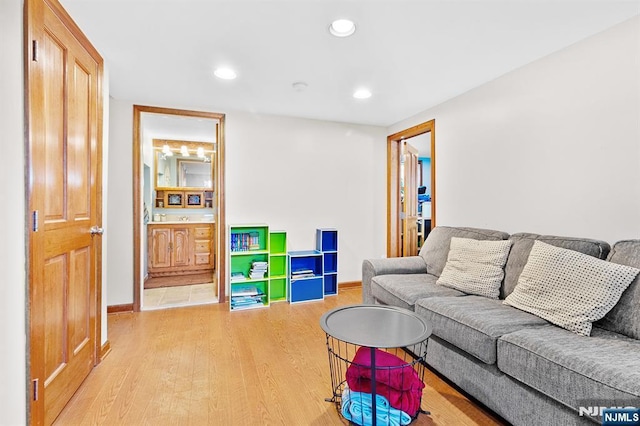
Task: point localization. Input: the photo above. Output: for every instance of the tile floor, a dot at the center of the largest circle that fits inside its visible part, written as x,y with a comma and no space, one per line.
172,297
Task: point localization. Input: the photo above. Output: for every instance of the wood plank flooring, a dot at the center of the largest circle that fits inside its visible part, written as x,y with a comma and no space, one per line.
204,365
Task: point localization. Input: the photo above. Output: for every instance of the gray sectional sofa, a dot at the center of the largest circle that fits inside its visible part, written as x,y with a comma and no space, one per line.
522,367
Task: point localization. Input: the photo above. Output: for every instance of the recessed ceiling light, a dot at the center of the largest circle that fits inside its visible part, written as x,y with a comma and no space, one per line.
342,28
225,73
299,86
362,94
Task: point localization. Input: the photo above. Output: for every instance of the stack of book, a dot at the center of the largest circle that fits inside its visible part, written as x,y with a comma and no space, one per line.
246,296
302,273
237,276
245,241
258,270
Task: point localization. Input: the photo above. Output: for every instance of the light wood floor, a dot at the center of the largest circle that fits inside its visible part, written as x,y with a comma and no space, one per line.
204,365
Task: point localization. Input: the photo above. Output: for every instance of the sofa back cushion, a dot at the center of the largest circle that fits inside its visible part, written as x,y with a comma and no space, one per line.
522,242
624,318
436,248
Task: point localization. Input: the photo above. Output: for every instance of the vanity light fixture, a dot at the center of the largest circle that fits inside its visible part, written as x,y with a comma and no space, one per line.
166,150
342,28
200,152
225,73
362,94
184,151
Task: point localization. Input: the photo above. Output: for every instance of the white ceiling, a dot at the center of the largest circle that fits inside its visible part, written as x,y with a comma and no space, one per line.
411,54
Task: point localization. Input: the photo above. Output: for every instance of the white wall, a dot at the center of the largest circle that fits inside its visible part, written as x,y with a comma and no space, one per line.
120,207
293,174
105,202
553,147
299,175
12,249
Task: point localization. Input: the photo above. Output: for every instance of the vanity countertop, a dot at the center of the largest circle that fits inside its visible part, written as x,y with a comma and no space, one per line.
181,222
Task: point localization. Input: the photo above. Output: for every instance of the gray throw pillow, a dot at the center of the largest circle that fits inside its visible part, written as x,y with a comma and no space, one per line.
568,288
475,266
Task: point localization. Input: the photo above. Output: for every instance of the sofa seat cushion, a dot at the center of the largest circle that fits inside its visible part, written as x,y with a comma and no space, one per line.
403,290
601,370
474,323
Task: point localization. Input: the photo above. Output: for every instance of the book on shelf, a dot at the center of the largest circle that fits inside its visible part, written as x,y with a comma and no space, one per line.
258,270
237,276
245,302
302,273
246,295
254,241
245,241
247,290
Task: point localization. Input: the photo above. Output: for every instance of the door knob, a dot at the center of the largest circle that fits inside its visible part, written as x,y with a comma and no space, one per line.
96,230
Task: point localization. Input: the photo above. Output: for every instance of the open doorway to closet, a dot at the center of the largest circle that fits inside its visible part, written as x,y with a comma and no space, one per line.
178,207
410,188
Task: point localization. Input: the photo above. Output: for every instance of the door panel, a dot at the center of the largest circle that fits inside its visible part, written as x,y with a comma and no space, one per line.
160,248
64,142
79,168
54,289
79,306
54,71
410,204
180,247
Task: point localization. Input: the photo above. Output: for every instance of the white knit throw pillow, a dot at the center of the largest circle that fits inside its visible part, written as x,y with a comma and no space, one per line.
568,288
475,266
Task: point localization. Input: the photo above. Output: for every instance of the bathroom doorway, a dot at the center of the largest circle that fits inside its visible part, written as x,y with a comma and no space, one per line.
179,207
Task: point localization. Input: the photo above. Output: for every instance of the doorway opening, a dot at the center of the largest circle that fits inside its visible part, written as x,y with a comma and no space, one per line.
411,196
178,178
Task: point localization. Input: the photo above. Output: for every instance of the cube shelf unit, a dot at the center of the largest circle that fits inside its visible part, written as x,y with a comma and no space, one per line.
250,243
327,244
305,280
277,266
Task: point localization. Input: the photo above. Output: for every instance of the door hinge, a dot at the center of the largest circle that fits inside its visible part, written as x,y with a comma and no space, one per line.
35,383
34,225
34,50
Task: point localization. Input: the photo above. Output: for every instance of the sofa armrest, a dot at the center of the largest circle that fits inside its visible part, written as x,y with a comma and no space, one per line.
388,266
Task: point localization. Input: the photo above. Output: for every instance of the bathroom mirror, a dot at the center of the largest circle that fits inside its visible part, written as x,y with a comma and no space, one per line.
183,164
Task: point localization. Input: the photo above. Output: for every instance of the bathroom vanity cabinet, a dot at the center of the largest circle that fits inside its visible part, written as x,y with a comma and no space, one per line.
180,248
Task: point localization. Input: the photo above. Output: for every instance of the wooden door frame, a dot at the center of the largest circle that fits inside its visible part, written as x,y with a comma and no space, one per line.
394,143
220,218
33,21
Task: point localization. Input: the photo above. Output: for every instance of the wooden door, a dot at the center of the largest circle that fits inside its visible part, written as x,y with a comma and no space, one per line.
180,247
64,171
395,212
410,201
160,248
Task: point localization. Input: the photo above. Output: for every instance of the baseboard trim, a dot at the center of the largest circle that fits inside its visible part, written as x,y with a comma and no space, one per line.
105,350
128,307
350,284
